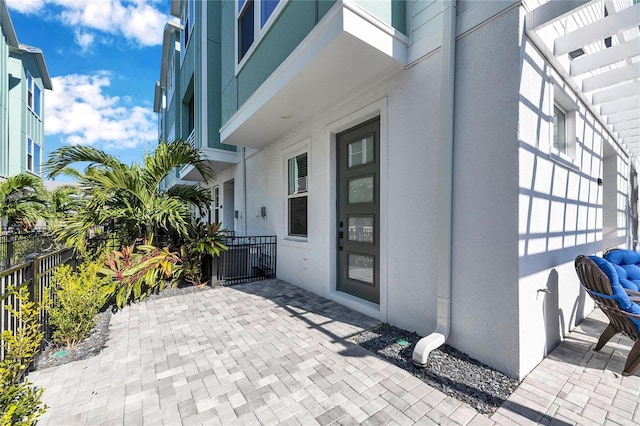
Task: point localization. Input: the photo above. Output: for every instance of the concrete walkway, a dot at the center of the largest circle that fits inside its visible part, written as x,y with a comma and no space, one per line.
271,353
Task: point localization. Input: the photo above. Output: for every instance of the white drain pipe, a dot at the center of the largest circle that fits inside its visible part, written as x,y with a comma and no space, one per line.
445,176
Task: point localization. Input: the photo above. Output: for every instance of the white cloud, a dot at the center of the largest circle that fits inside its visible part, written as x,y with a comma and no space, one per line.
79,112
139,21
84,40
25,6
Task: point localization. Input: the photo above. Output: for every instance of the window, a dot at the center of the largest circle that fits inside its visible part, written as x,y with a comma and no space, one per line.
33,156
171,78
188,19
563,132
559,129
297,195
33,95
253,16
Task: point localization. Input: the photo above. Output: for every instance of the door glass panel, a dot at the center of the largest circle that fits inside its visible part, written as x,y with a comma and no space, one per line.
361,190
361,267
361,152
361,229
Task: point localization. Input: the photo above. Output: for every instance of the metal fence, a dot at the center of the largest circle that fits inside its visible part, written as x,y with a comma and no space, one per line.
36,274
14,247
248,259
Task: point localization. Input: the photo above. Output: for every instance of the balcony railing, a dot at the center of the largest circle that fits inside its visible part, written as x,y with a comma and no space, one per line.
191,139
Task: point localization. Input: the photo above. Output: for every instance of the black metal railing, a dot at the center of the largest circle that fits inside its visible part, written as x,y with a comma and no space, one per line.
247,259
14,247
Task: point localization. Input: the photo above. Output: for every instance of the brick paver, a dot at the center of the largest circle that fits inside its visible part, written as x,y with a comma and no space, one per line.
575,385
270,353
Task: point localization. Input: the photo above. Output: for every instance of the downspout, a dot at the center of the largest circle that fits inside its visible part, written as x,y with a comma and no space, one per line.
445,177
244,189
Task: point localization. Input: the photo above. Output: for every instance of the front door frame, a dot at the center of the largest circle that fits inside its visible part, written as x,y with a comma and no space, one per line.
373,110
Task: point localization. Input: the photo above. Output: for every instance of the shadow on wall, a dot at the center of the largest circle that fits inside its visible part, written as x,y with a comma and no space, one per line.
554,317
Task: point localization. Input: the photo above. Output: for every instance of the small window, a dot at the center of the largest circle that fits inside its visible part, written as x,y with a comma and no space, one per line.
34,95
559,129
188,20
297,195
33,156
171,78
245,28
252,19
266,10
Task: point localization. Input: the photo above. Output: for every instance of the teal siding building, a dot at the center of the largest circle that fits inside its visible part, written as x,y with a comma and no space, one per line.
23,80
399,149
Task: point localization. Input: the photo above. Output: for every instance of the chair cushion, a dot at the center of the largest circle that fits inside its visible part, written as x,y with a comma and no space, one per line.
619,295
627,264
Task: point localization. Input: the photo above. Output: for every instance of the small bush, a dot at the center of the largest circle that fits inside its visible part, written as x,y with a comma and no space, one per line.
78,297
20,402
135,272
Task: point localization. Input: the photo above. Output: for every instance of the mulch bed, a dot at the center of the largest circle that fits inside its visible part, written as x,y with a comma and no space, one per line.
448,370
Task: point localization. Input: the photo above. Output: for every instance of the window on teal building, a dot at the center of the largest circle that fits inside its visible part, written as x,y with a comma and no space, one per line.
253,16
33,156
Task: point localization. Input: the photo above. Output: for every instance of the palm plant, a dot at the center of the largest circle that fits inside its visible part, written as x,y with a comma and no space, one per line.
22,200
129,195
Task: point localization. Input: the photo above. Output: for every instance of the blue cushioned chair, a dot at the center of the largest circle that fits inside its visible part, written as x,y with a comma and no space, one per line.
605,282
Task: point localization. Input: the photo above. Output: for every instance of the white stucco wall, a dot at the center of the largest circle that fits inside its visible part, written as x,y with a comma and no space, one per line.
562,209
485,263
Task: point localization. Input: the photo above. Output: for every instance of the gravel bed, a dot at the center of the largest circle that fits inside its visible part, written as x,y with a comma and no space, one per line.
448,370
97,340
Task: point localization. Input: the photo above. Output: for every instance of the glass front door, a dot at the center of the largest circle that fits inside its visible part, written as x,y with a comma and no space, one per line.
359,211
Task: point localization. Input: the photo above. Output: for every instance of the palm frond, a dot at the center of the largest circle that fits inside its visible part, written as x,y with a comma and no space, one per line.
64,156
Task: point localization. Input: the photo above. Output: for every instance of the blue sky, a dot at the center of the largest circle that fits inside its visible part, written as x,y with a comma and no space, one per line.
104,58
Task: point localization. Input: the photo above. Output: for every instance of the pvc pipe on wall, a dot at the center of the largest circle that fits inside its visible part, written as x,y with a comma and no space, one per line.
445,176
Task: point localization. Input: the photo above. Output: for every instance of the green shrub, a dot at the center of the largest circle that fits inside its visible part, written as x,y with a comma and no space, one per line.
135,272
20,402
78,298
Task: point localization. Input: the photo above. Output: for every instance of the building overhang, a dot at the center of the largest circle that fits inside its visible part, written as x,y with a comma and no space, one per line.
7,26
218,159
598,55
42,66
346,52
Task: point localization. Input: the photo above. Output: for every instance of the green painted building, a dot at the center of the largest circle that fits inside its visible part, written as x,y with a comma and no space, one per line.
23,79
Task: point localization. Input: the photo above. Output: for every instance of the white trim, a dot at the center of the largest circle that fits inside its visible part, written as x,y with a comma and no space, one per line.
376,109
204,78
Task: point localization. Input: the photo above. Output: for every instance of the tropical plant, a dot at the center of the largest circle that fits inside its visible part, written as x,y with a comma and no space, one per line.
20,402
65,201
23,200
203,239
135,272
79,296
129,195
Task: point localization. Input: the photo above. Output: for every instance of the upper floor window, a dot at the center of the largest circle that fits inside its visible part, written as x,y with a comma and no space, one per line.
171,78
33,156
33,95
188,20
252,17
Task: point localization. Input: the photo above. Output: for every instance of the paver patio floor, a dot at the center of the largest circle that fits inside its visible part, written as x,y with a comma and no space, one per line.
271,353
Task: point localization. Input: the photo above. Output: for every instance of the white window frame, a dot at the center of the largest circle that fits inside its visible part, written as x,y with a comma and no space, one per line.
258,30
188,23
31,95
32,165
303,147
562,101
171,77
